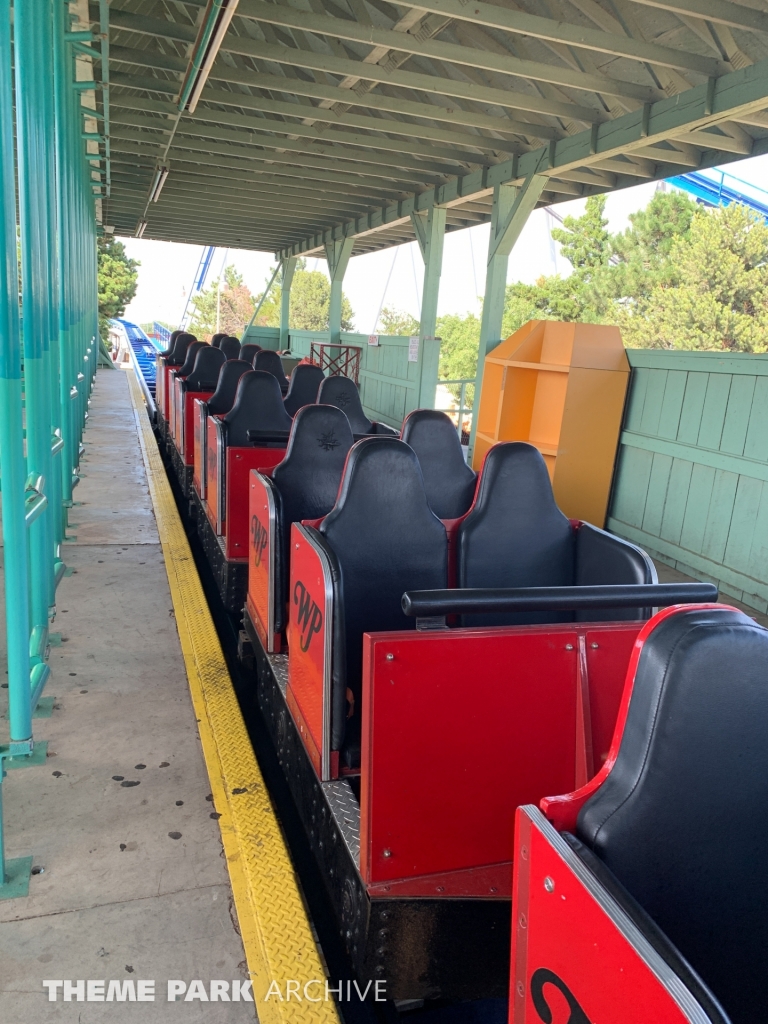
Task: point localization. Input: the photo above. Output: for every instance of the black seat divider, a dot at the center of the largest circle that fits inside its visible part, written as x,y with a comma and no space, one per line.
230,347
189,360
179,353
248,352
448,480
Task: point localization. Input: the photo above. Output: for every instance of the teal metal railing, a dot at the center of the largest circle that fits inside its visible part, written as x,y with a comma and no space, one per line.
47,367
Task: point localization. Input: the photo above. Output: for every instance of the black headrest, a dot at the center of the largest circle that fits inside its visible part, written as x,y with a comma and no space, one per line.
515,535
230,347
269,362
448,480
384,537
343,393
189,360
217,339
258,406
308,478
179,354
171,344
248,352
679,819
302,390
223,398
205,372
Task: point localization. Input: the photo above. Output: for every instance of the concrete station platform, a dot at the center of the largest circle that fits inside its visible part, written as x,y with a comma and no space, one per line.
134,883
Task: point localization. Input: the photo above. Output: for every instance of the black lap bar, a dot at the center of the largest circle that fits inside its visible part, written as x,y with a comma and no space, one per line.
427,603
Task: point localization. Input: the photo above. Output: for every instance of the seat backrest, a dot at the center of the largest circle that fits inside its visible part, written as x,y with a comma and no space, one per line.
448,480
344,394
217,339
515,535
258,406
679,820
171,344
230,347
205,372
385,540
179,354
309,476
248,352
303,387
269,361
223,398
189,360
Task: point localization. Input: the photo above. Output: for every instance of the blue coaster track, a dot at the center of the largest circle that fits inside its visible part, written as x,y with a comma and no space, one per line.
143,351
717,188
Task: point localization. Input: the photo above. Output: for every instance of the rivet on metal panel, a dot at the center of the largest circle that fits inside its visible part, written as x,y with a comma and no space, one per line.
549,884
390,657
569,647
386,853
523,922
594,646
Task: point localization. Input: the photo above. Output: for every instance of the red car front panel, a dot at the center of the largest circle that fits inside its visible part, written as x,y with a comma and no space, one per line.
240,462
261,561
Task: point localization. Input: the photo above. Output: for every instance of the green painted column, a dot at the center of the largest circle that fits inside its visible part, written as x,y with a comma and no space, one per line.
289,269
430,234
12,464
33,132
512,206
337,255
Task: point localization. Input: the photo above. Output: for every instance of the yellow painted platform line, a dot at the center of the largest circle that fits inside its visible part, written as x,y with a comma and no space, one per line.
277,936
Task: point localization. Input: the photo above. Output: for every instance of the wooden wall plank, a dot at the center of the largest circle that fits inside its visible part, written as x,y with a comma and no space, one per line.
693,407
713,415
654,398
697,508
720,515
656,494
672,404
677,500
738,414
741,534
634,473
756,444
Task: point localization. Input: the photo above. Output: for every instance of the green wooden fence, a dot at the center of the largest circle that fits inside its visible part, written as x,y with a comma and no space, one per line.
392,382
691,481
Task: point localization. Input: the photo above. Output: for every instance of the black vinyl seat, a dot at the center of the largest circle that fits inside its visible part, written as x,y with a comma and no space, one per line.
679,821
303,387
179,353
382,539
205,372
230,347
188,364
516,536
344,394
248,352
217,339
258,406
269,361
307,481
448,480
223,398
171,344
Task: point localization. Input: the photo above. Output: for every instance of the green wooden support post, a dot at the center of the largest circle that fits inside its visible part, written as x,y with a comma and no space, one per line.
289,269
430,234
337,254
511,208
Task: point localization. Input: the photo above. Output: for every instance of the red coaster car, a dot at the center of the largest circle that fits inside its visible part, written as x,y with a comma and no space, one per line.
200,383
402,739
220,403
639,897
166,363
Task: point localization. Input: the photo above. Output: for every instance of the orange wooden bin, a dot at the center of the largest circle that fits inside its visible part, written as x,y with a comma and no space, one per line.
561,387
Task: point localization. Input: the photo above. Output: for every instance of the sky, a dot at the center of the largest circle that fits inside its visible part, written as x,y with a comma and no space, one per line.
391,277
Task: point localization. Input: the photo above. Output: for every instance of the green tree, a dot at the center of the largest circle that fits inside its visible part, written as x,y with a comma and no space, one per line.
310,303
716,292
117,281
397,323
228,309
643,252
460,338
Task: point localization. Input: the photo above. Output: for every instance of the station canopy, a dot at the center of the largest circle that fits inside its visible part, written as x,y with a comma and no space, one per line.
283,126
